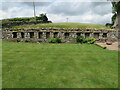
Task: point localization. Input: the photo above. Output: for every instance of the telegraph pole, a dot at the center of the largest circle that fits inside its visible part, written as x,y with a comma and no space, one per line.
67,19
34,8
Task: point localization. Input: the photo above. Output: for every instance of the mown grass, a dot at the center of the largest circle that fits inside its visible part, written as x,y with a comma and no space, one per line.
27,65
0,64
64,25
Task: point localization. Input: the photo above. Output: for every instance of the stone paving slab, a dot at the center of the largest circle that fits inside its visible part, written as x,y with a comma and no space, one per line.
114,46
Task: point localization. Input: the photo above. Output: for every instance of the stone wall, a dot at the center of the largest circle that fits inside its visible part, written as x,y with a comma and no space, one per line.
114,36
43,34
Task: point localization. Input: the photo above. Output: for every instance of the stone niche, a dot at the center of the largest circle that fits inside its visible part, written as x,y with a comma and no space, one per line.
96,35
55,34
87,35
104,35
22,34
66,35
31,34
47,35
14,34
40,35
78,34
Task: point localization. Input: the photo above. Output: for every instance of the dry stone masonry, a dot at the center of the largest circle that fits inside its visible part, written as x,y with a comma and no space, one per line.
66,35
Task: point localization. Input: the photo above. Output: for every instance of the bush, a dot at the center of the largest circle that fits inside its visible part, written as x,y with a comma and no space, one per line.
90,40
54,40
81,40
42,17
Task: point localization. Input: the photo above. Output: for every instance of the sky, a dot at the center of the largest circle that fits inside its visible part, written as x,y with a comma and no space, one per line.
58,11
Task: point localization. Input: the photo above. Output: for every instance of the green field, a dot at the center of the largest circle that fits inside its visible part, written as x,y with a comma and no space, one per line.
28,65
64,25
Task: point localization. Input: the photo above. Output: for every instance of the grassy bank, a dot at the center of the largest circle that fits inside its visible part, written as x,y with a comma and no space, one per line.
27,65
64,25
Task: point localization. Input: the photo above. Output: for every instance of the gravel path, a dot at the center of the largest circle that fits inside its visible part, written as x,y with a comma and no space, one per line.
114,46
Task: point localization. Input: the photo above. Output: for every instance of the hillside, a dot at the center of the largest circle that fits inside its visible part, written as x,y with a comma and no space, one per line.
63,25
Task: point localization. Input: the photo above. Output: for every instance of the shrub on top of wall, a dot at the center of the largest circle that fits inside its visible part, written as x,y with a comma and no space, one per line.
54,40
81,39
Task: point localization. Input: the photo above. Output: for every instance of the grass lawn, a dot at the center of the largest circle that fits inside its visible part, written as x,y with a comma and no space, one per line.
64,25
28,65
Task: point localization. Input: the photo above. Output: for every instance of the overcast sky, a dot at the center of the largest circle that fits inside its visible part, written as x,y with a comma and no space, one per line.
82,12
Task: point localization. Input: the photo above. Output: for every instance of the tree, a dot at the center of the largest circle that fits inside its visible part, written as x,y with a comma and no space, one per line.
116,12
42,17
116,7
